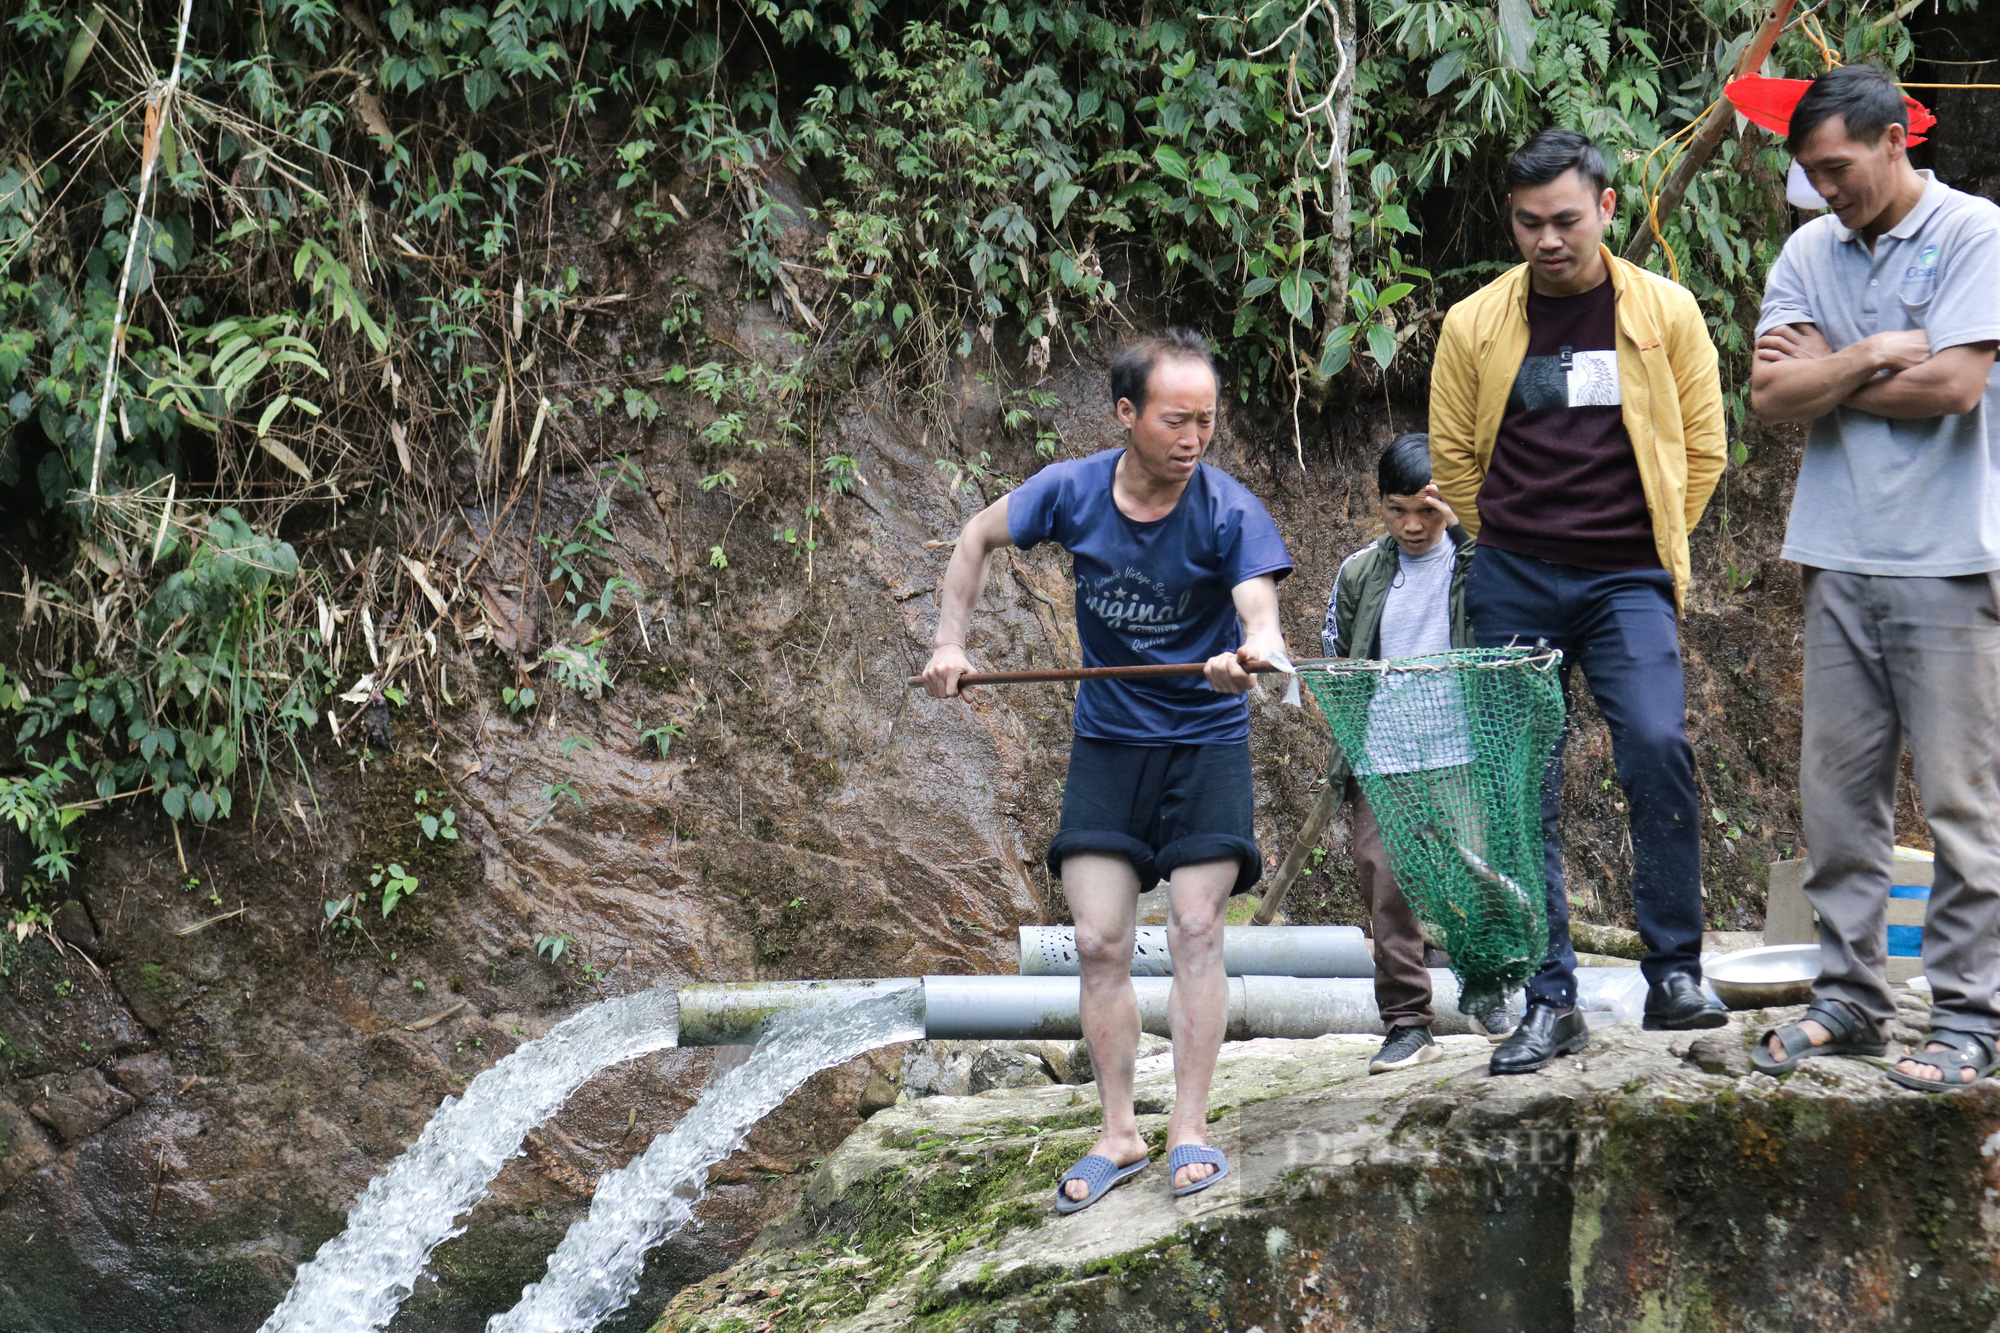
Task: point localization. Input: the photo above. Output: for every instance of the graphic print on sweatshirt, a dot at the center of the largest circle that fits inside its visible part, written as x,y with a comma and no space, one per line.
1140,609
1563,484
1568,379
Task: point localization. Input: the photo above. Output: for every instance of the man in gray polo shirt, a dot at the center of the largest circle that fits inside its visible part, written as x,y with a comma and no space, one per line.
1879,327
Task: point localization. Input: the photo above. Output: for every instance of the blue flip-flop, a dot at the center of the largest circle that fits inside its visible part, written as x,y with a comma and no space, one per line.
1100,1174
1195,1154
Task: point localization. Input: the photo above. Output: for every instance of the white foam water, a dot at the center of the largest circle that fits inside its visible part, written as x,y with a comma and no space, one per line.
595,1270
358,1278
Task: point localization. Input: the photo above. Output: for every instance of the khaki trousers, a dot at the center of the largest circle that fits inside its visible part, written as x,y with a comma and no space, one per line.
1890,660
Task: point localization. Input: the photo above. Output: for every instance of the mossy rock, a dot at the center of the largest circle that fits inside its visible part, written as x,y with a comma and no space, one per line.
1625,1189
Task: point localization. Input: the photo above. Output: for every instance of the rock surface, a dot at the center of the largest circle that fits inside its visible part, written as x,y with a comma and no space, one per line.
79,1104
1646,1185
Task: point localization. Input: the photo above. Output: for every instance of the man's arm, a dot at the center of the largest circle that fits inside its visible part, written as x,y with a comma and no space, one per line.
1797,377
985,534
1454,419
1257,607
1704,424
1950,384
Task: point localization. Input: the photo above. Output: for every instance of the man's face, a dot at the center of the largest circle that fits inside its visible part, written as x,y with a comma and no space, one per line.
1415,524
1559,226
1171,434
1857,180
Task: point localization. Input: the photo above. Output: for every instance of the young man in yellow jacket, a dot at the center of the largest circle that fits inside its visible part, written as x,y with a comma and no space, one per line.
1577,429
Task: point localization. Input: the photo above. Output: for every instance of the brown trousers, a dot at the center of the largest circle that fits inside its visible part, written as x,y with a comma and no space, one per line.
1402,984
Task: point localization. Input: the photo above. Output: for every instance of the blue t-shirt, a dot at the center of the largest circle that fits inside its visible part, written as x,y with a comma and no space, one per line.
1152,592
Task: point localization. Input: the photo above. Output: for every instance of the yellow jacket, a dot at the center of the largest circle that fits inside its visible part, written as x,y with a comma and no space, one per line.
1667,378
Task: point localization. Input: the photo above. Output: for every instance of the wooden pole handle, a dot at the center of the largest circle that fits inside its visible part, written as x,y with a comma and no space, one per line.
1089,673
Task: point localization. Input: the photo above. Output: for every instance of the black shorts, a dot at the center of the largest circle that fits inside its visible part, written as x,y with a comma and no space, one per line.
1159,806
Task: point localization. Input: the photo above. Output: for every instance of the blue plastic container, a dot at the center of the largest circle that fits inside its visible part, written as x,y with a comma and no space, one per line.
1907,941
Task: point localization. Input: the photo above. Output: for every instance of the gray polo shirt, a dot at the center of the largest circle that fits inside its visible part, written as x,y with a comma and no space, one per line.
1875,496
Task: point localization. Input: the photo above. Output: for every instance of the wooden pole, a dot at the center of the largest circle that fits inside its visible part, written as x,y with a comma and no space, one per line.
1089,673
1322,814
1707,139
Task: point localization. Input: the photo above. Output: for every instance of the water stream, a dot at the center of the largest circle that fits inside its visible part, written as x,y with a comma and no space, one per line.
358,1278
595,1270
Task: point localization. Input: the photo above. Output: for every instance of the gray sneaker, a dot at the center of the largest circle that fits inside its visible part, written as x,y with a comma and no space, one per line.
1405,1048
1498,1024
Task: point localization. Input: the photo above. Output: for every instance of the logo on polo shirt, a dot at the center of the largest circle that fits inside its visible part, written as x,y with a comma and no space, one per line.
1925,267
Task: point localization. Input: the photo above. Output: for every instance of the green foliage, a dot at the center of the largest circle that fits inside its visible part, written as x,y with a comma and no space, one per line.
979,164
580,667
441,825
355,227
661,737
394,882
569,559
209,676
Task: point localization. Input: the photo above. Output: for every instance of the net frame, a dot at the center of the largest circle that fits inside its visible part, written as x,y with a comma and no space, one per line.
1451,750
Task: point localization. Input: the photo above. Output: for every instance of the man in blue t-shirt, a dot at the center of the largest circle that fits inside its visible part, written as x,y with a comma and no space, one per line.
1169,554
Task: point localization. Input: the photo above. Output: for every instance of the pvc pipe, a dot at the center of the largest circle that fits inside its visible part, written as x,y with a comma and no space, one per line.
1031,1008
1247,951
1025,1008
739,1013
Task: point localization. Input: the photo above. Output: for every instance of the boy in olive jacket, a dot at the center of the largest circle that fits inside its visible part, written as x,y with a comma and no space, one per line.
1400,596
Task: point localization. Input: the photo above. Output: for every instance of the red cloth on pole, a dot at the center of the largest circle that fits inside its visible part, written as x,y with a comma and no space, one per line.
1769,103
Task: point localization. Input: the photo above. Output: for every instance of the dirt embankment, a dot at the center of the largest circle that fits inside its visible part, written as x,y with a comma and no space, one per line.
188,1109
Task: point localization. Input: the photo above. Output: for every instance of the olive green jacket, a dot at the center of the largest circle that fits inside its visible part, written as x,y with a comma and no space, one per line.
1353,626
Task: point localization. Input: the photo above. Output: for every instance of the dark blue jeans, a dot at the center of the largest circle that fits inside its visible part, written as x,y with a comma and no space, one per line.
1622,630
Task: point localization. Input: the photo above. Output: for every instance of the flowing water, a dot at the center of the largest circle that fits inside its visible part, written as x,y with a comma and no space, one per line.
358,1278
595,1270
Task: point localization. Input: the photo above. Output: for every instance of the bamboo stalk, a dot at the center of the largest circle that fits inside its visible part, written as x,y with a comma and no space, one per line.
1322,813
157,125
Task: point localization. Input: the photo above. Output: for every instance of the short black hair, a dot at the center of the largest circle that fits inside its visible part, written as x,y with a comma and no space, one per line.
1866,100
1405,466
1551,153
1132,365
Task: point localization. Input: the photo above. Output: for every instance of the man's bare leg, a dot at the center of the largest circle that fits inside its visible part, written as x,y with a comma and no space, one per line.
1198,1006
1103,893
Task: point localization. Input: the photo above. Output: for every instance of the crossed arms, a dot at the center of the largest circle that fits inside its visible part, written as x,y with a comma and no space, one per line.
1799,377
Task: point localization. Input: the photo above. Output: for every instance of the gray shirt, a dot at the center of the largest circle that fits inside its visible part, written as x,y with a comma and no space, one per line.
1876,496
1416,720
1416,617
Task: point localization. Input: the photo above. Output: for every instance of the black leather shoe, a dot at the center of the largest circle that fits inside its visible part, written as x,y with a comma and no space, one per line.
1545,1033
1678,1005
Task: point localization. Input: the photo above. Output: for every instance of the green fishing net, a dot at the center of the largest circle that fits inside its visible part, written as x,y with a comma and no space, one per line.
1450,750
